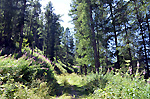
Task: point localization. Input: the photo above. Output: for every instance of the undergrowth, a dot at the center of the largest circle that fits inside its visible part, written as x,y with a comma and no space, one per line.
34,77
27,71
122,86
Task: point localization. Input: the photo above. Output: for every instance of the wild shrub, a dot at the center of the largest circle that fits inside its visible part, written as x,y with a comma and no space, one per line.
94,81
15,90
25,70
124,87
61,68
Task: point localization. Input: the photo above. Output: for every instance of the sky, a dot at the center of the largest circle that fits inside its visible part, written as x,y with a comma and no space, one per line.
61,7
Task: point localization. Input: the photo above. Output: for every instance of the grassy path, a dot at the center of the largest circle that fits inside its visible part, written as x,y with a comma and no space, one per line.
72,86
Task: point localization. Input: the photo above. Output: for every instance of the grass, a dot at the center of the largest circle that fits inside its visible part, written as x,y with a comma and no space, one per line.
111,86
34,78
72,79
26,71
123,87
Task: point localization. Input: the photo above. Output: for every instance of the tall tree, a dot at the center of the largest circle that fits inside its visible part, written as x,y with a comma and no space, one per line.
86,36
51,27
67,47
140,19
92,37
21,23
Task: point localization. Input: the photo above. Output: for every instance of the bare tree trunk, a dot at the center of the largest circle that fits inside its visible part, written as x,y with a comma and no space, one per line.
129,50
97,39
22,26
96,58
114,29
21,38
30,31
56,56
81,69
141,30
85,69
148,26
145,50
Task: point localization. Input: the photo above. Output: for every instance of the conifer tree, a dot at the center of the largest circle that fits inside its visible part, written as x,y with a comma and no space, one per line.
84,25
67,47
51,29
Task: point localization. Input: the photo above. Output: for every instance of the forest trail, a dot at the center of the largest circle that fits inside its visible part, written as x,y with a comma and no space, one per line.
72,92
71,89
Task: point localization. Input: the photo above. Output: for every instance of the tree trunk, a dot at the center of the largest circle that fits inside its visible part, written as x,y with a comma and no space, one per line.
129,50
148,26
114,29
141,31
85,69
97,40
81,69
147,66
30,33
96,58
22,26
21,38
52,47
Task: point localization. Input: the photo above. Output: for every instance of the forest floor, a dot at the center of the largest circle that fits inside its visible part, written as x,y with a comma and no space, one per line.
112,85
72,86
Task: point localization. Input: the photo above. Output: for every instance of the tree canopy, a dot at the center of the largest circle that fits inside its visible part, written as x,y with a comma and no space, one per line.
107,33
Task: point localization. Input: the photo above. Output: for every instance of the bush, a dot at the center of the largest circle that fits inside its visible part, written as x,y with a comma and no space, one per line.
14,90
95,81
61,68
125,86
19,70
25,70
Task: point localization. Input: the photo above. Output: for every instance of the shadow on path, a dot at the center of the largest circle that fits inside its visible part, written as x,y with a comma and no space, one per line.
73,90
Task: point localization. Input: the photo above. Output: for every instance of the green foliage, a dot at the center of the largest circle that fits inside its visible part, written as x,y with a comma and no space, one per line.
27,71
94,81
52,32
67,48
123,86
113,85
72,79
20,91
26,78
19,70
83,85
104,32
61,68
116,27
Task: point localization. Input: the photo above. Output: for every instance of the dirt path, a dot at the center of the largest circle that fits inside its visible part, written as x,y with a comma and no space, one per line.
72,92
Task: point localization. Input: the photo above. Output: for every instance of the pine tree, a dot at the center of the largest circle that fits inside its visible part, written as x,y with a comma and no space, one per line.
86,36
52,31
140,19
67,47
